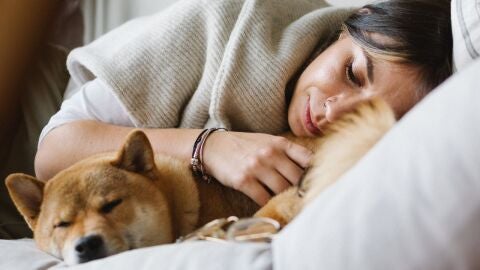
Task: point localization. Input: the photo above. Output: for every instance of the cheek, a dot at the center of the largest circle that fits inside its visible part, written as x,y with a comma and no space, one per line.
317,73
49,240
57,242
398,86
402,106
112,227
401,101
321,82
295,112
152,226
149,221
68,251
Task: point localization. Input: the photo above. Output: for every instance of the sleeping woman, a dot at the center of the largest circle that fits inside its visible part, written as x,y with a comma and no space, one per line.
256,68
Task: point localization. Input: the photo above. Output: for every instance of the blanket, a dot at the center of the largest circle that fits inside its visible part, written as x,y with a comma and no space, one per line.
205,63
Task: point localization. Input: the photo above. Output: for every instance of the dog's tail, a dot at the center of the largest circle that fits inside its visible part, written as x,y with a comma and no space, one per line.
345,142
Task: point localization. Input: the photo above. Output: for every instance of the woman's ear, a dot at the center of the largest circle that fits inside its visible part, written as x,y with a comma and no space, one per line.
364,11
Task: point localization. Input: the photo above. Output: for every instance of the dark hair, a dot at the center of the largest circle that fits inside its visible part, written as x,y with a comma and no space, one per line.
419,33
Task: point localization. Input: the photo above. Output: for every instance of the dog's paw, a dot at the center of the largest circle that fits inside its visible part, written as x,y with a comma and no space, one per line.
283,207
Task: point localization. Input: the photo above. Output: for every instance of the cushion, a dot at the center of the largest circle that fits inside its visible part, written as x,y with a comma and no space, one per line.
413,202
466,32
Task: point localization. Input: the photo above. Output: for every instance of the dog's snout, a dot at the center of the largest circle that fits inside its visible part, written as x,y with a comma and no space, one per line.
90,248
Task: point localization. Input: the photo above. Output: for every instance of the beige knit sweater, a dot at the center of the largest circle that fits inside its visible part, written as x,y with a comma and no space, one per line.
204,63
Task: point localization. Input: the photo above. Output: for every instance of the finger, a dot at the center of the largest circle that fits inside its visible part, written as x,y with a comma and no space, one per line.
289,170
255,191
272,179
299,154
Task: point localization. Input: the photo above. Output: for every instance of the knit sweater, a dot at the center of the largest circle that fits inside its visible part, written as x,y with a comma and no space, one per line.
205,63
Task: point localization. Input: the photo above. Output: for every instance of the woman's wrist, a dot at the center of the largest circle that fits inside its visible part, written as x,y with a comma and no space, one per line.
197,161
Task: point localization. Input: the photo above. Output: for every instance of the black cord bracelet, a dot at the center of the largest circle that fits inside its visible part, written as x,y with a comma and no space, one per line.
197,154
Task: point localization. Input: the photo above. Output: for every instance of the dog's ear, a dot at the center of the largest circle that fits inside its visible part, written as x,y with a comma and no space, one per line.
136,155
27,194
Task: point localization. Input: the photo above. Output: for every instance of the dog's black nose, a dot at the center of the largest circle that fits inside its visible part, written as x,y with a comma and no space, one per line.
90,248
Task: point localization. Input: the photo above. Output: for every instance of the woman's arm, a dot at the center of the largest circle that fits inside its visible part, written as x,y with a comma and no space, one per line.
88,137
248,162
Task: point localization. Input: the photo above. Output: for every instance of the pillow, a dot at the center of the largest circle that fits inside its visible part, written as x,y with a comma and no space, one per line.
413,202
466,32
24,255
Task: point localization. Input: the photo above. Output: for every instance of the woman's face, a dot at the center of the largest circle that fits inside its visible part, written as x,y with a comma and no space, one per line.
341,77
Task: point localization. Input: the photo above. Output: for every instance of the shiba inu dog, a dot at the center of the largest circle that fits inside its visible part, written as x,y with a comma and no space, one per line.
114,202
110,203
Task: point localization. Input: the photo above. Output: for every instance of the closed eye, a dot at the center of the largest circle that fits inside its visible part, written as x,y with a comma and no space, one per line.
62,224
108,207
351,75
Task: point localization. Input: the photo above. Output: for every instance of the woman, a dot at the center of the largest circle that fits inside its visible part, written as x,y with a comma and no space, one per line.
227,63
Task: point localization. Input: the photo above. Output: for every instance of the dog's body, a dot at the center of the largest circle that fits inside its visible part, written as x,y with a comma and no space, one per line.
127,200
114,202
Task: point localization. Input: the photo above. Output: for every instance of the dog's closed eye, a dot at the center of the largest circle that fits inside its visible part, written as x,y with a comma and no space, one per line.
62,224
108,207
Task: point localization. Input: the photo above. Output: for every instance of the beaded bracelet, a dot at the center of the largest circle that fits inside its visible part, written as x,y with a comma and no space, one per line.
197,154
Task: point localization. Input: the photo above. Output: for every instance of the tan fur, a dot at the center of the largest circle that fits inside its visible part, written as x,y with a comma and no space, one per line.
346,141
160,200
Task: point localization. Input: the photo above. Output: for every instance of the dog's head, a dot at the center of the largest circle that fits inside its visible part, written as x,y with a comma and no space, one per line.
98,207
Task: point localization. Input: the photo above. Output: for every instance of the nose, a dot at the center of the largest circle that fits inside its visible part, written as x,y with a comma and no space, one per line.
90,248
336,106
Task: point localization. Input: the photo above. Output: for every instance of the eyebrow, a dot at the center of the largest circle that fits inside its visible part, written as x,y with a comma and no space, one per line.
369,66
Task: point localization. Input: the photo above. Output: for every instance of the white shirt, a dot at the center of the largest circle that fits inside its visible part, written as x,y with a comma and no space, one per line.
92,101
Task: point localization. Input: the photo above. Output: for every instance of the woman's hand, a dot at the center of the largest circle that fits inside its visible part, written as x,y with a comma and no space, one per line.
255,163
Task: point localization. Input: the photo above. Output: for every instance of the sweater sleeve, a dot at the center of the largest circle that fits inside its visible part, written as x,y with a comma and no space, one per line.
93,101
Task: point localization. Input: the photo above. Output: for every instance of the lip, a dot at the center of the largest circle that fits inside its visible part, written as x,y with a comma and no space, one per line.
308,121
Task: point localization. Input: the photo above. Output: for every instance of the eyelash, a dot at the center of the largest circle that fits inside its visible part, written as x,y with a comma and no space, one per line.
351,75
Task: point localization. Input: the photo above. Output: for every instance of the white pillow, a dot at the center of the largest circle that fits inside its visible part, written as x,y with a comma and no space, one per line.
24,255
466,31
413,202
